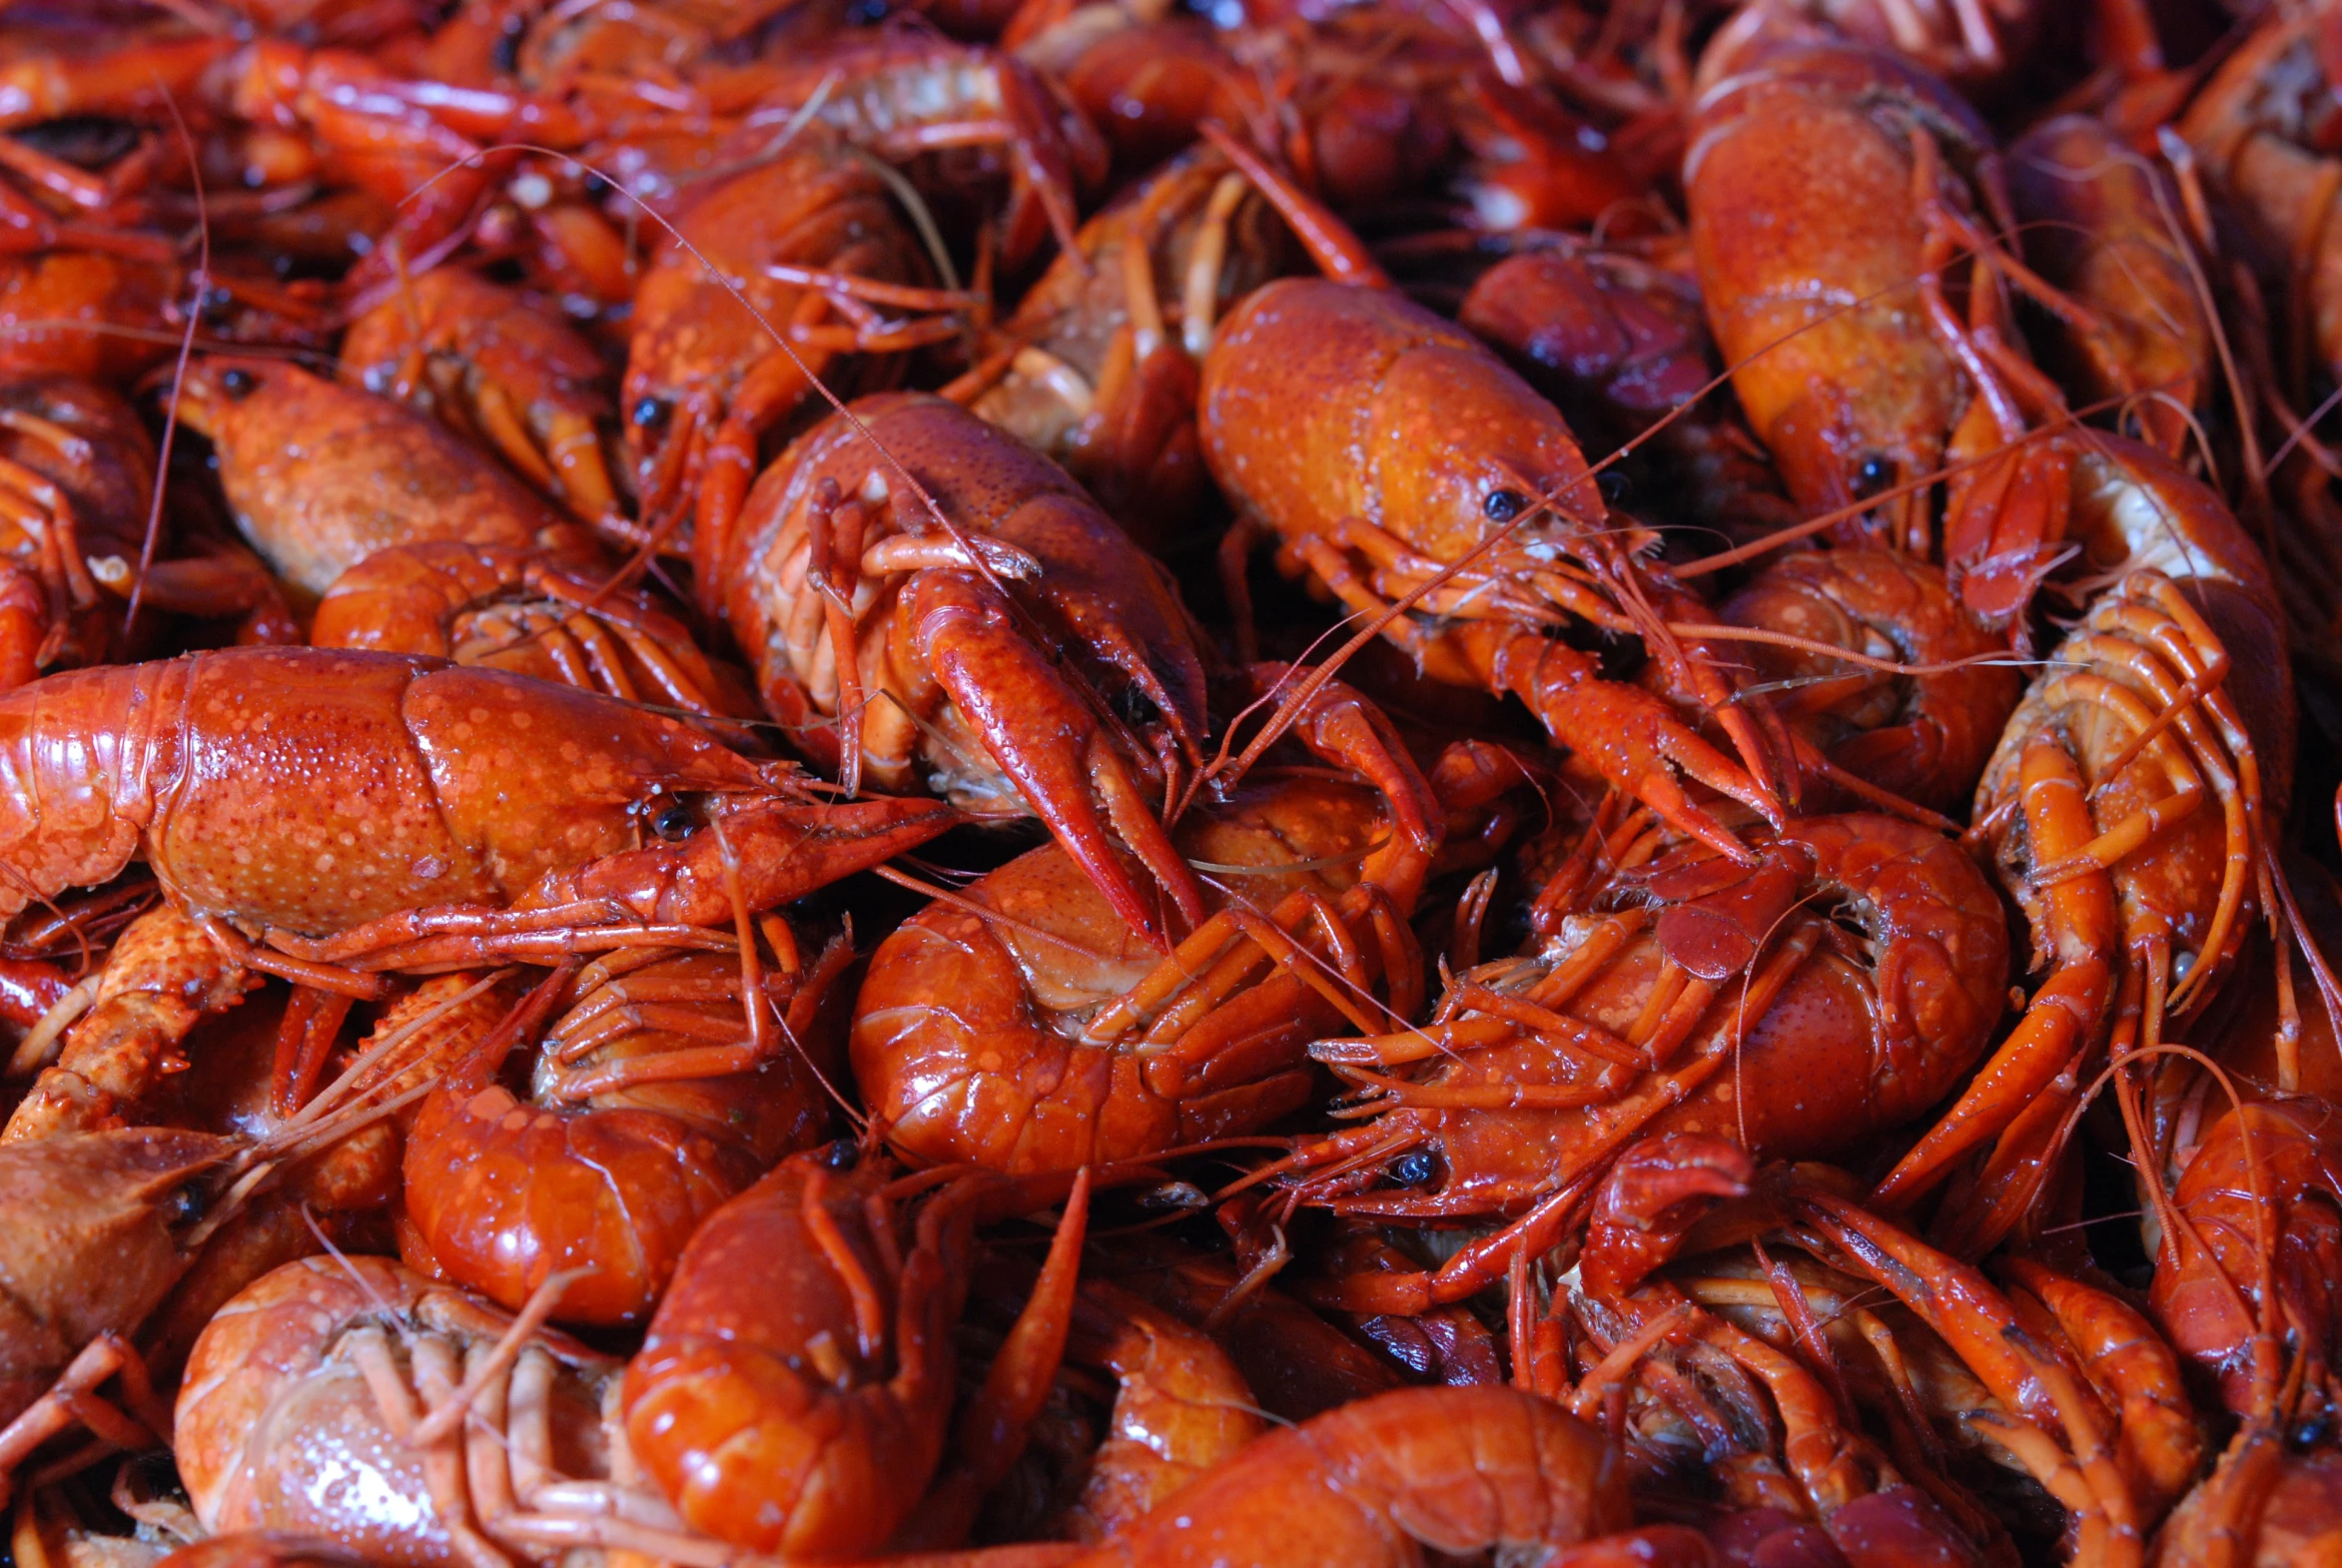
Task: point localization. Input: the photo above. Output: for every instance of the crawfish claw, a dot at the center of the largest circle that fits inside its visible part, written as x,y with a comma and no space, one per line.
1052,746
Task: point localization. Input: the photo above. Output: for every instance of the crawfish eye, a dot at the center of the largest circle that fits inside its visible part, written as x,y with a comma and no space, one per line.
1174,1198
674,821
652,414
1874,475
1416,1168
1504,505
844,1155
179,1206
1136,708
1615,486
238,384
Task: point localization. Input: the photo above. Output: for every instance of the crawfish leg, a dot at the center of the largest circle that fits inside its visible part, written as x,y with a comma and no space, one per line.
161,979
2069,1010
73,1399
1635,740
24,626
727,465
994,1424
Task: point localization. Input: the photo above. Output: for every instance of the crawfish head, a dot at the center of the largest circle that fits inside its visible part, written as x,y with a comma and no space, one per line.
1428,437
104,1224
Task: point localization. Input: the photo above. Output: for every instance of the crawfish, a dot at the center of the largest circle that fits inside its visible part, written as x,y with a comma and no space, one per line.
1097,379
1617,339
918,576
2127,806
802,220
1920,716
900,93
1829,187
84,313
2247,1244
412,145
319,1401
993,1028
76,473
2262,127
2116,1469
2251,1217
514,379
321,475
1146,76
79,474
403,841
1619,342
548,611
2267,1507
656,1094
1418,467
1718,1370
403,539
1295,1362
809,233
1380,1481
112,1221
2008,1367
794,1391
2103,227
1688,994
120,1217
342,1195
53,71
1368,109
2103,503
1180,1408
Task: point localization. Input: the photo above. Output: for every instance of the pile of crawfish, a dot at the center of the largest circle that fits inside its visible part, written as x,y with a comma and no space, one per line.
1027,782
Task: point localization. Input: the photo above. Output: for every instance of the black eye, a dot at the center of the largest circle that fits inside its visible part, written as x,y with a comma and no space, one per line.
652,414
1504,505
238,384
1615,486
179,1206
1416,1168
674,821
844,1155
1174,1198
1136,708
597,188
1874,475
506,53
